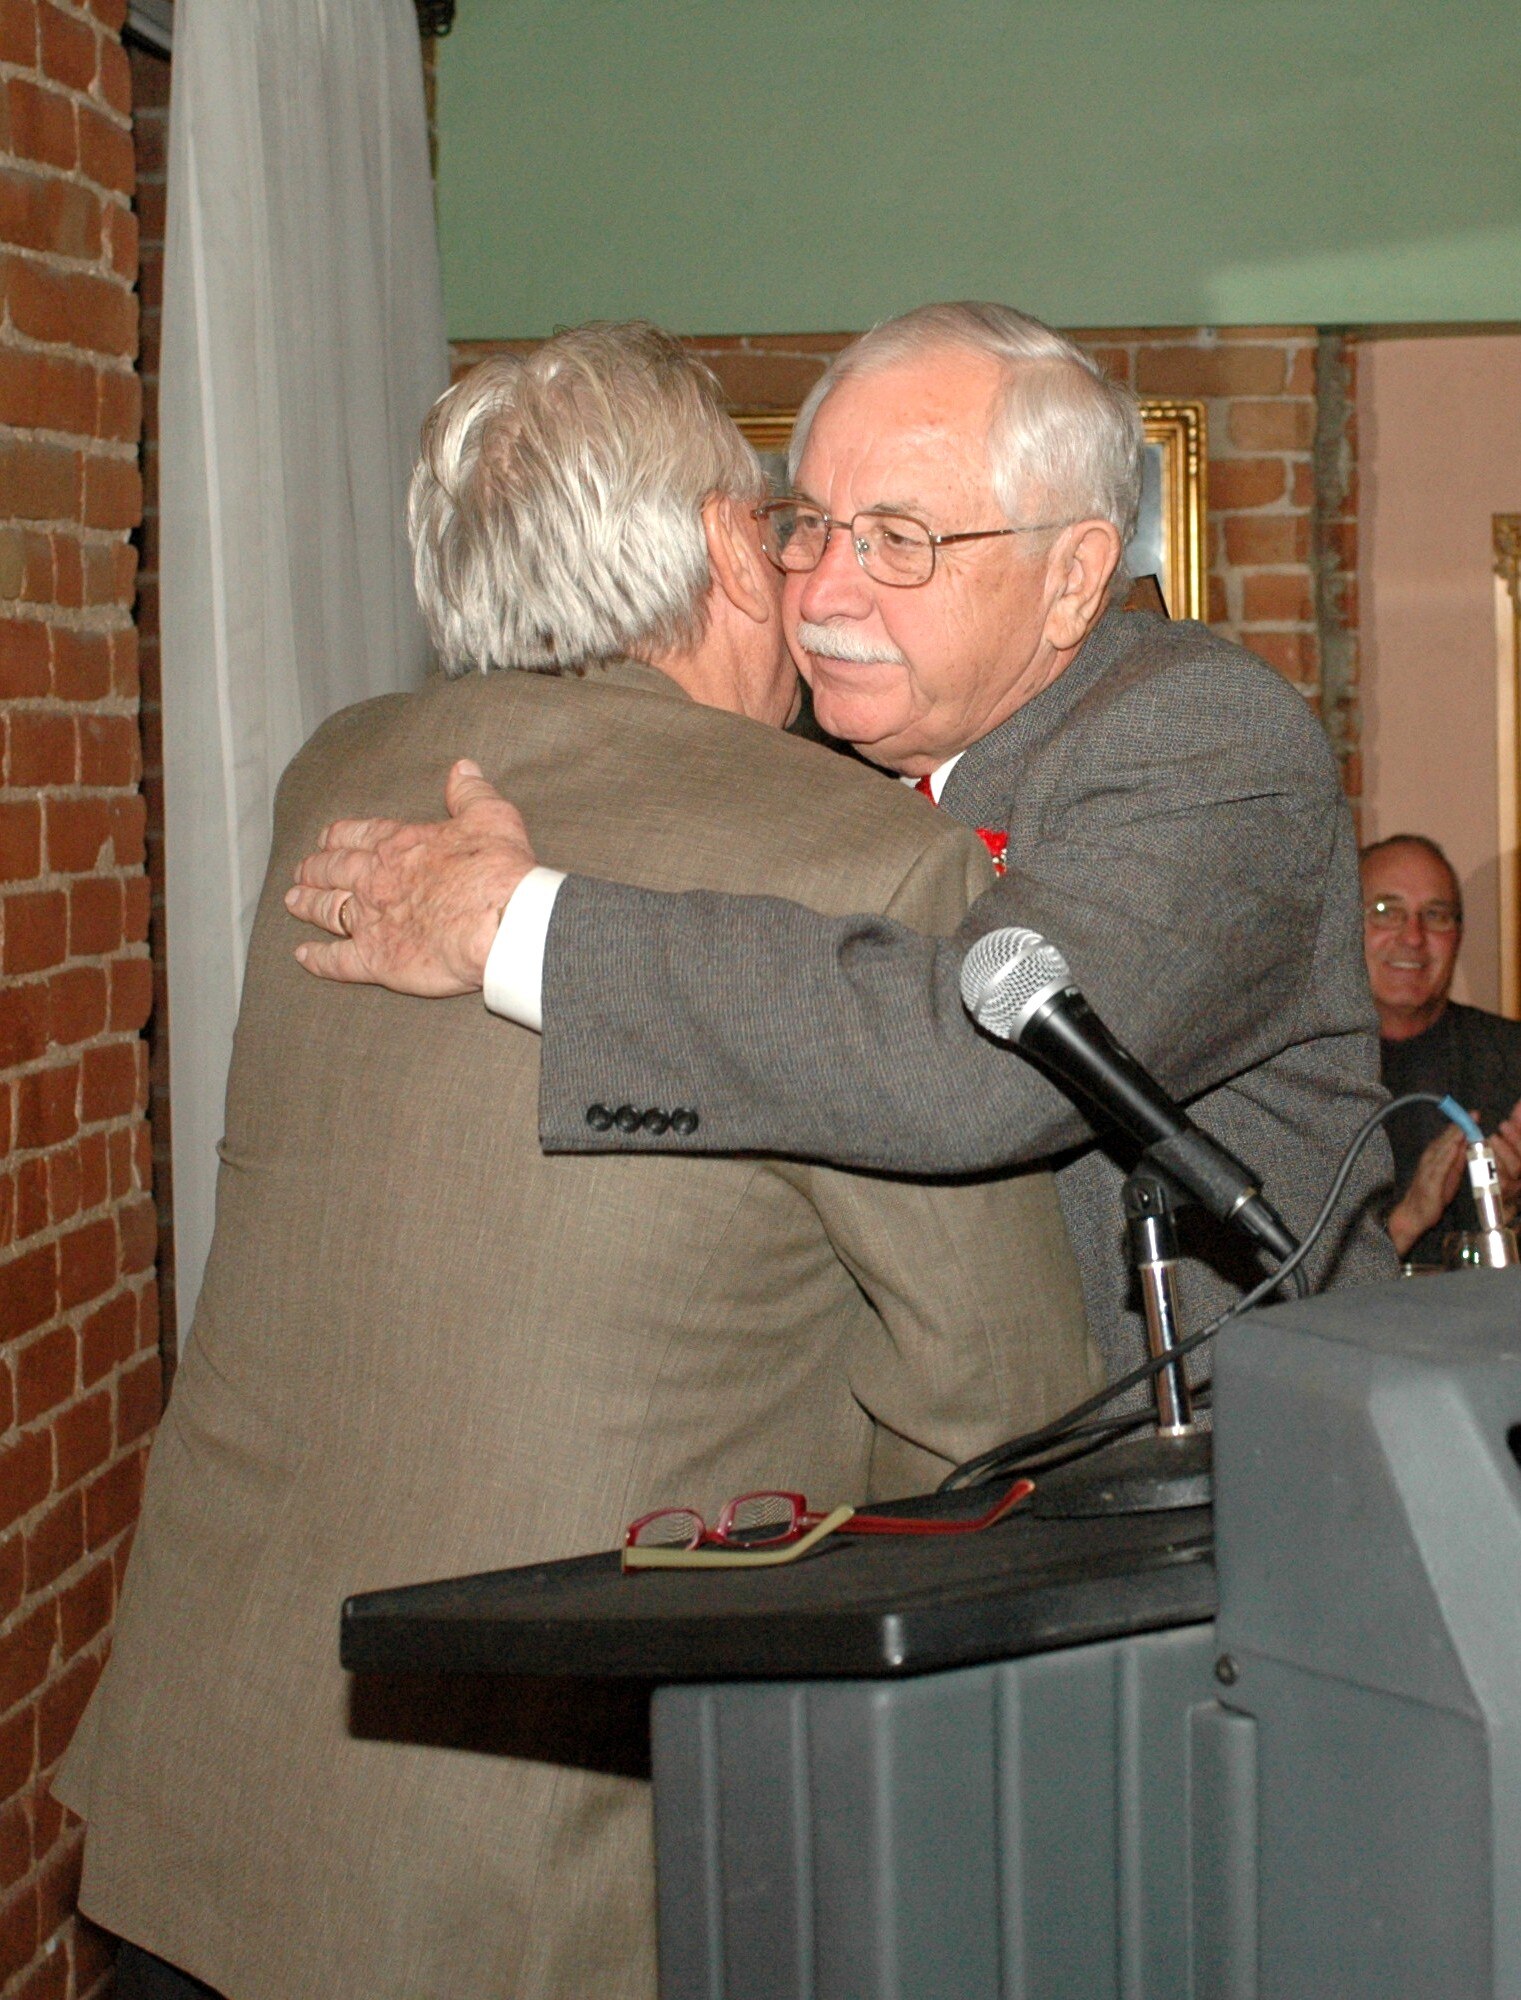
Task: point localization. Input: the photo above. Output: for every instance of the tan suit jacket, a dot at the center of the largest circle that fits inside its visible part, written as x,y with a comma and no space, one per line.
423,1348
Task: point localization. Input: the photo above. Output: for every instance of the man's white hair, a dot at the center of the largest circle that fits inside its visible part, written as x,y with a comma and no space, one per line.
1067,439
556,509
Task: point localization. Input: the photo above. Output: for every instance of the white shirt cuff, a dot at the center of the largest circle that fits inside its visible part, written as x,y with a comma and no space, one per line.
514,981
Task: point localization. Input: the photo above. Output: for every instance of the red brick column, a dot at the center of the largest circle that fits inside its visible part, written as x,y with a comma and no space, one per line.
79,1369
1336,493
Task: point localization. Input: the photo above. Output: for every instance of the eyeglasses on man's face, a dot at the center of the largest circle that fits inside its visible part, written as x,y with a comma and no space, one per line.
895,549
1392,913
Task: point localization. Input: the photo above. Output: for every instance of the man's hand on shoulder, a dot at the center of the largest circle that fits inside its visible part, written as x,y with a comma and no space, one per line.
414,908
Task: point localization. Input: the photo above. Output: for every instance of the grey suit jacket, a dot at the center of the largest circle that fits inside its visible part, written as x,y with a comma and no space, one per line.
423,1349
1176,826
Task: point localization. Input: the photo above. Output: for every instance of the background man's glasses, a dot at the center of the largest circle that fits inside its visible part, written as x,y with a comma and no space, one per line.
1392,913
891,548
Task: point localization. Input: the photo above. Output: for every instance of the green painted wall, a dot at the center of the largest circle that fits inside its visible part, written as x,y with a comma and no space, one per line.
779,165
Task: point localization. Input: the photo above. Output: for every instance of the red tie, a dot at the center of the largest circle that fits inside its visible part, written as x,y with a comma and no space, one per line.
993,838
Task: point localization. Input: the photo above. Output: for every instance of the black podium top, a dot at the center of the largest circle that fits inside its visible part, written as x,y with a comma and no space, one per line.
887,1605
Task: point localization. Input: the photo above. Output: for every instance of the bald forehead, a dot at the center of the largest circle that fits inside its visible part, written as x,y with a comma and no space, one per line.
945,389
905,432
1412,871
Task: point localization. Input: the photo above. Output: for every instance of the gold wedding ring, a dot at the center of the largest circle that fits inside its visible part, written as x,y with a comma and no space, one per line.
346,915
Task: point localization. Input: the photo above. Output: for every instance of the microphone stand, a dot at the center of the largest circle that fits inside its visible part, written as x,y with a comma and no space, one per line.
1170,1468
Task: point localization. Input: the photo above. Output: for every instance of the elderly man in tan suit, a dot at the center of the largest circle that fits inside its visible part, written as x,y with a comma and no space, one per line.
423,1348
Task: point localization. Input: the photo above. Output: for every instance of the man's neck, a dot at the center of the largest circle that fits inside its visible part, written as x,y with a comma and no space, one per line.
720,673
1405,1025
1037,681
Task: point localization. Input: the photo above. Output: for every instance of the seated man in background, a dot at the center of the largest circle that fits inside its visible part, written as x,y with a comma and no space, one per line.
424,1349
1412,931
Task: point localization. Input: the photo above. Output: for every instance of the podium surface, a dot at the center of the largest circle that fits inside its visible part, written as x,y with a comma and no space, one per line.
856,1608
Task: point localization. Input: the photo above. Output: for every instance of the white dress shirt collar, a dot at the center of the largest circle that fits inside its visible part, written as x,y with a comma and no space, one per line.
938,776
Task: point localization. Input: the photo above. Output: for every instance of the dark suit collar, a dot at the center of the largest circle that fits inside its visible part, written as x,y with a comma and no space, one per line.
977,791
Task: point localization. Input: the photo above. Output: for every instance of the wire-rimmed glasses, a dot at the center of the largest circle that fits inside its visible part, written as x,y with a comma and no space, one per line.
892,548
1392,913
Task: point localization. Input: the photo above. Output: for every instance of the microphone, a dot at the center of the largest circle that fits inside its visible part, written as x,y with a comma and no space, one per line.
1497,1241
1020,989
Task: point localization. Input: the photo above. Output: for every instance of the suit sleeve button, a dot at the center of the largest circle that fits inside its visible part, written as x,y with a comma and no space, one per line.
627,1119
599,1117
684,1122
655,1120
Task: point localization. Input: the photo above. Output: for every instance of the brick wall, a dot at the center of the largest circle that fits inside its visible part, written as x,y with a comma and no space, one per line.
79,1370
1282,483
1258,385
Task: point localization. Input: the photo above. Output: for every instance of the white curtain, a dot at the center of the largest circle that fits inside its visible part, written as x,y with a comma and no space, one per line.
303,342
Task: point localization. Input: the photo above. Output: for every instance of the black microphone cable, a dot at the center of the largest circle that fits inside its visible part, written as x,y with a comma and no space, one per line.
1000,1461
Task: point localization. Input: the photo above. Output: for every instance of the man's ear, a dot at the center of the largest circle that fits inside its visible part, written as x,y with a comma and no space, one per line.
1086,558
740,569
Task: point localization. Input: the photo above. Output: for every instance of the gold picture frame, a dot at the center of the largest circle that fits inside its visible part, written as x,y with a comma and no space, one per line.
1506,534
1170,538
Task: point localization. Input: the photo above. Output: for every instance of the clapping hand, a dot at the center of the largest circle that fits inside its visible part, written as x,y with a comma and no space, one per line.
1433,1184
1506,1141
1439,1172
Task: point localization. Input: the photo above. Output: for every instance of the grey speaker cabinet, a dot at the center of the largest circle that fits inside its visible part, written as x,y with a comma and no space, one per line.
1316,1797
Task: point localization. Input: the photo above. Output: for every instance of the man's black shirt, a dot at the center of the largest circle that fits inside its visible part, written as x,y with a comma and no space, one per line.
1471,1055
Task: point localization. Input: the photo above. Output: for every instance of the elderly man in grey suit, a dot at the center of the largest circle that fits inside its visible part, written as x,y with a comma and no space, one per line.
965,482
424,1349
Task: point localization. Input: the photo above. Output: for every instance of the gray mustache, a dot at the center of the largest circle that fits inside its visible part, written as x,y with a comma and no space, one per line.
844,642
